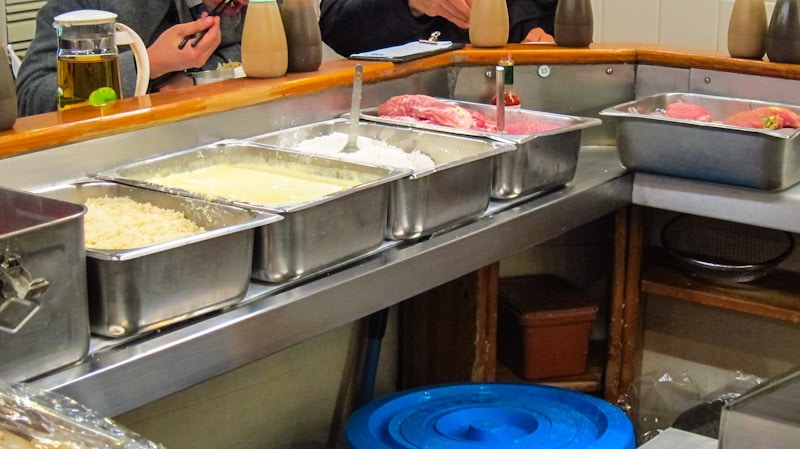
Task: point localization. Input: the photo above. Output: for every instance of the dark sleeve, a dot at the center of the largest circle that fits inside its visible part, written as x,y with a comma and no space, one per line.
354,26
525,15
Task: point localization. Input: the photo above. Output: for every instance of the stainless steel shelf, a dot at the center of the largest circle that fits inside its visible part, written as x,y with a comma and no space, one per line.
119,376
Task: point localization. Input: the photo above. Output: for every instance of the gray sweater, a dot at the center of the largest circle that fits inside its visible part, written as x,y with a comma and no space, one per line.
36,82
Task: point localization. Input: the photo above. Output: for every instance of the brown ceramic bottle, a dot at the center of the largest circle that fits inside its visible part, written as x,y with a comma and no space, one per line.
303,38
783,35
574,23
747,29
8,94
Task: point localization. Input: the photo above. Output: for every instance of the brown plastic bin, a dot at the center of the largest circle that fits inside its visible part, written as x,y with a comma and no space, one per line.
543,327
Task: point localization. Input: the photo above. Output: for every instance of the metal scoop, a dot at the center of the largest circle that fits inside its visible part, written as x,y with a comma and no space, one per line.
355,112
500,82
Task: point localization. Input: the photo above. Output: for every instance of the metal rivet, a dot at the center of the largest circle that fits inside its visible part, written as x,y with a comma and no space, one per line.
544,71
116,330
609,71
707,80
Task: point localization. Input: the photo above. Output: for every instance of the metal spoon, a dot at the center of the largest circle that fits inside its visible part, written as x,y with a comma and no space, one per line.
355,112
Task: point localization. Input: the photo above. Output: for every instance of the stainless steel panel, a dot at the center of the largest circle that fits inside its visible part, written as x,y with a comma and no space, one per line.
313,235
652,80
707,151
737,85
430,199
141,289
44,318
540,162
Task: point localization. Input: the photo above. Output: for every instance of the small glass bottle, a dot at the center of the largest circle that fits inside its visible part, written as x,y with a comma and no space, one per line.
574,23
303,37
488,23
510,94
783,35
264,50
747,29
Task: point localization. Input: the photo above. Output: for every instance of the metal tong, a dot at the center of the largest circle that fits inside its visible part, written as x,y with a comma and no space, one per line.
219,9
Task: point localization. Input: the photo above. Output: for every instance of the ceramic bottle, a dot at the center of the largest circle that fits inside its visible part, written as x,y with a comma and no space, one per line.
303,38
488,23
747,29
264,50
783,34
574,23
8,94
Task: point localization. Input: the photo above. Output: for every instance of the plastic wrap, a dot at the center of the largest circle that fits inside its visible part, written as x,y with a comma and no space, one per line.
37,419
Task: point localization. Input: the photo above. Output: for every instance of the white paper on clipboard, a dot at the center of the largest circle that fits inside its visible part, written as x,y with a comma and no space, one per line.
407,52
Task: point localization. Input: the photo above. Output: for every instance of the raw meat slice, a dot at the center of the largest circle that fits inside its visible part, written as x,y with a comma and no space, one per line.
790,119
752,119
688,111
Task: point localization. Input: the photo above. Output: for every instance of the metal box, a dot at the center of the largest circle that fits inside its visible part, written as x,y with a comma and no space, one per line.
540,162
313,235
454,191
136,290
766,416
706,151
44,318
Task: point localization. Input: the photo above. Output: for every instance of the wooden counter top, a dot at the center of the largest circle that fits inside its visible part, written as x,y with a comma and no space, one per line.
57,128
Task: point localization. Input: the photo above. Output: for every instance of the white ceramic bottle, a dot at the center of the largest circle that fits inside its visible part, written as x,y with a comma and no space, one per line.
488,23
747,29
264,49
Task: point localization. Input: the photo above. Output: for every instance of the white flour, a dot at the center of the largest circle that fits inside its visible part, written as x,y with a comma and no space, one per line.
371,151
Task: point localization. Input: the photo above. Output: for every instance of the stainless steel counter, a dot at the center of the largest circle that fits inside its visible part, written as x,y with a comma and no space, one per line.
119,376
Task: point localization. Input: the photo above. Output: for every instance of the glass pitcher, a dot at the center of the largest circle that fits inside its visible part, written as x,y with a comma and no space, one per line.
88,59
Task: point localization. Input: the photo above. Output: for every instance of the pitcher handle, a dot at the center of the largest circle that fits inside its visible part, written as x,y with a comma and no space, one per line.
129,37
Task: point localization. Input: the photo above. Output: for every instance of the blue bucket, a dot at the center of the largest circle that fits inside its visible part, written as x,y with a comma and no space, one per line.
489,416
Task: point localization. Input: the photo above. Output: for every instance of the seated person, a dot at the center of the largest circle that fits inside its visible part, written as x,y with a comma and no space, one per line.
354,26
162,25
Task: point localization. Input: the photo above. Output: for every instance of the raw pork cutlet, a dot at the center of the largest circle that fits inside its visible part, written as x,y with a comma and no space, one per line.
688,111
427,109
752,119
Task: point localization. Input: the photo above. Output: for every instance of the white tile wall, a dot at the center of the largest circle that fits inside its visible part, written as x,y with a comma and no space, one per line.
692,25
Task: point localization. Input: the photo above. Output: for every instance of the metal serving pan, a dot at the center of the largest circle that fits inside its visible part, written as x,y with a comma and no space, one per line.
44,317
313,235
706,151
141,289
542,161
430,199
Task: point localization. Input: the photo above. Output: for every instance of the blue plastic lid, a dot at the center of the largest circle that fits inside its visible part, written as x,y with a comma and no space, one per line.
490,416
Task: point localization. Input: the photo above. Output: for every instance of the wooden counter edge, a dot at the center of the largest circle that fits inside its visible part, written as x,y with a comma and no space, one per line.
58,128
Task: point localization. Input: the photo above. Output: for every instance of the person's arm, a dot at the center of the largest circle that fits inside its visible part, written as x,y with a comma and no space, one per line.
526,15
353,26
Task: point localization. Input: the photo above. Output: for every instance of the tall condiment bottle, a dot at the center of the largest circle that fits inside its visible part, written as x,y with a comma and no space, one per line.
303,38
747,29
8,93
488,23
783,35
510,97
264,49
574,23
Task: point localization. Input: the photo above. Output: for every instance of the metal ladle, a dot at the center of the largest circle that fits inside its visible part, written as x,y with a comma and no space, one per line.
355,111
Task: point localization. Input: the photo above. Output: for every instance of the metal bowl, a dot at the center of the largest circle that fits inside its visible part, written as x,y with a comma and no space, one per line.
724,251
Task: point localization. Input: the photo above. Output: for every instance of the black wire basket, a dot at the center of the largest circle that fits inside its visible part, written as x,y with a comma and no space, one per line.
724,251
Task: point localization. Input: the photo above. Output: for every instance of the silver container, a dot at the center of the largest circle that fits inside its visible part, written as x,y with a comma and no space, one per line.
136,290
541,161
313,235
706,151
767,416
454,191
44,318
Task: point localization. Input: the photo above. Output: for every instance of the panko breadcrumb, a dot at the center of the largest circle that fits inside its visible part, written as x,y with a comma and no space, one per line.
122,223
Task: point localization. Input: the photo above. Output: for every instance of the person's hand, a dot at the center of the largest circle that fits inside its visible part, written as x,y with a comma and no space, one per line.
232,9
456,11
176,81
538,35
165,56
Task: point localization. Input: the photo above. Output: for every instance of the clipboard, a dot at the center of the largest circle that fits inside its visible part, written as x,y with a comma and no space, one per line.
408,51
